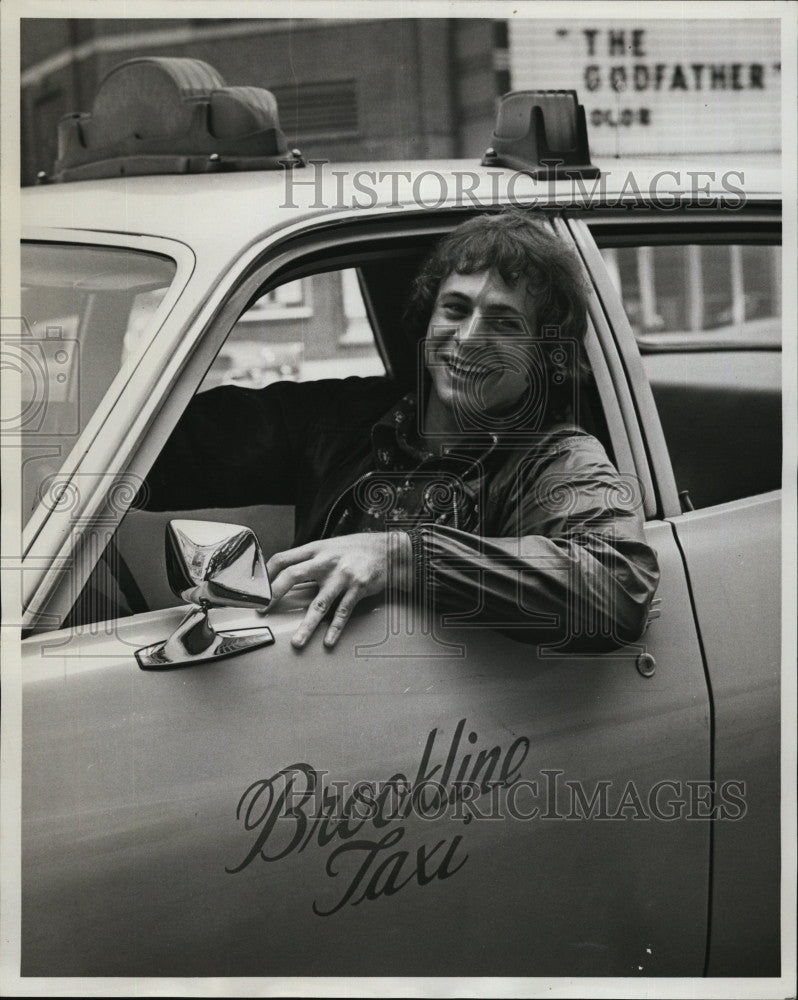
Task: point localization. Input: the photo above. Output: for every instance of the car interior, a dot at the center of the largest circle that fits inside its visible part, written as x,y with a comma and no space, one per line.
724,438
707,427
706,317
131,576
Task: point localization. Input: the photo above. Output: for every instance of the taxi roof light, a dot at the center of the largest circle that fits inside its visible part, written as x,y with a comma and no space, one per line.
542,133
171,115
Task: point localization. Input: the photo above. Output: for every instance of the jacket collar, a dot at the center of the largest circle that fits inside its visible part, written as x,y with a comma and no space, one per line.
397,442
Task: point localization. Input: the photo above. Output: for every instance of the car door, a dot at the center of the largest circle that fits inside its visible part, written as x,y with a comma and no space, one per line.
293,814
704,301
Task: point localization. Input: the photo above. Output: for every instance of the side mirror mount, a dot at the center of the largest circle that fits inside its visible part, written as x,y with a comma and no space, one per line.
211,565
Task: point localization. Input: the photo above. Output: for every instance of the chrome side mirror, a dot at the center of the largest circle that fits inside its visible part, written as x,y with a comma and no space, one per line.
211,565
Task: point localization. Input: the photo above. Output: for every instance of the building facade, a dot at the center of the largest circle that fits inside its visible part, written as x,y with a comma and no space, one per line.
347,89
659,86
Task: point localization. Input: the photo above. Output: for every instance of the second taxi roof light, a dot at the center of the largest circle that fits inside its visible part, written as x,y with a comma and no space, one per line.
542,133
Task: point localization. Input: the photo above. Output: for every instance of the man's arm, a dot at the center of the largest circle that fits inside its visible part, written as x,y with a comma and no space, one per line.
572,568
236,447
569,560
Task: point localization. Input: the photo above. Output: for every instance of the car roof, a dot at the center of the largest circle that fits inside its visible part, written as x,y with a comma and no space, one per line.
226,212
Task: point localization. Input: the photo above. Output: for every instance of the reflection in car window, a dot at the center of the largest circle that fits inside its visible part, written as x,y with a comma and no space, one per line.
85,310
707,320
696,295
311,328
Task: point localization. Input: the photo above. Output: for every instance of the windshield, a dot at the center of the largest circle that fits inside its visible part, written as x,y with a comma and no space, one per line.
85,309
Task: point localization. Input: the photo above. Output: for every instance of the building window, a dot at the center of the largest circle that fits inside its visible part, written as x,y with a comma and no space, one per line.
289,301
308,110
700,295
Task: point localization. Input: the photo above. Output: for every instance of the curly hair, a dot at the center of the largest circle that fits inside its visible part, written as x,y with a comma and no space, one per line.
515,244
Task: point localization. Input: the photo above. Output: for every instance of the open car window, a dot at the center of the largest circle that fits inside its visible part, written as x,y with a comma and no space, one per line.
695,296
305,329
310,328
316,326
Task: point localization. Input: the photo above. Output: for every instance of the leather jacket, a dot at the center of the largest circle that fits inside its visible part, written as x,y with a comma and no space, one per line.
538,537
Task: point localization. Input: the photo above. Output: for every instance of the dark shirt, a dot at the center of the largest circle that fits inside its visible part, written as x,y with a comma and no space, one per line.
408,484
537,536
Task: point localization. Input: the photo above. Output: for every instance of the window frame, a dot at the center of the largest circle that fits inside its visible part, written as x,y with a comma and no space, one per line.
311,248
185,263
594,231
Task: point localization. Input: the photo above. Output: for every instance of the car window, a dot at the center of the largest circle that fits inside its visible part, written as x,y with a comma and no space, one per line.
700,295
311,328
85,309
706,317
306,329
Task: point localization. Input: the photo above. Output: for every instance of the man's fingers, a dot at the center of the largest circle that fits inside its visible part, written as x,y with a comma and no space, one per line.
342,614
280,560
344,571
319,607
290,577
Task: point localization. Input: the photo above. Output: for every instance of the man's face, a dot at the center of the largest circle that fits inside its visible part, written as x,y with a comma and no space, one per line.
479,347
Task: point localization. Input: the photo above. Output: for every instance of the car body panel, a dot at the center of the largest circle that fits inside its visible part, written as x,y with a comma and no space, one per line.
259,202
691,404
733,557
133,778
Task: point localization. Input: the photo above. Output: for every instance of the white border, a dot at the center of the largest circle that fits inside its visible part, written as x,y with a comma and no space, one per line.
10,983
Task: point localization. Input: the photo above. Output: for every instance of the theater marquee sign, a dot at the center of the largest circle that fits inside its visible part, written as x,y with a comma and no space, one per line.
664,86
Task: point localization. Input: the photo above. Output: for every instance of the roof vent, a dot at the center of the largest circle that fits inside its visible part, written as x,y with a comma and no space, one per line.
171,116
542,133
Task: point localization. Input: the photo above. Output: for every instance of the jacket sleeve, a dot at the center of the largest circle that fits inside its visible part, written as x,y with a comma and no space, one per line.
567,562
235,447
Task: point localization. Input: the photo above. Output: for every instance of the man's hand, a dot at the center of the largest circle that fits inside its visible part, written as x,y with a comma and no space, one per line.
346,568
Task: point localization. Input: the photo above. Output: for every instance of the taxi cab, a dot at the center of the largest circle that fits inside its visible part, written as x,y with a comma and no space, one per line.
264,813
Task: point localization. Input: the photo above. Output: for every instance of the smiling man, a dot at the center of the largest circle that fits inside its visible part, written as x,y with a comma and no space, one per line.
476,492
